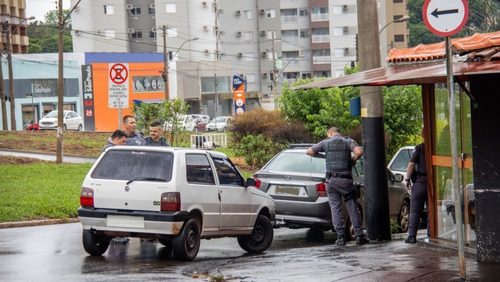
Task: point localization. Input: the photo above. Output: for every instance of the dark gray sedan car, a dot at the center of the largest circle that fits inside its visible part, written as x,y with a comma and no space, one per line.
296,182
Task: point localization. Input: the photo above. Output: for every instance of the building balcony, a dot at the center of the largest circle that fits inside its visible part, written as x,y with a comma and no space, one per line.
289,19
320,38
317,60
319,17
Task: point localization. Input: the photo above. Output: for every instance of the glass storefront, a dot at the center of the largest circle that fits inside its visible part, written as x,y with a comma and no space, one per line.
442,162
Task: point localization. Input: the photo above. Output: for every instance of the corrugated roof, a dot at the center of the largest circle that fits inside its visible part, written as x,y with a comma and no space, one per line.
476,42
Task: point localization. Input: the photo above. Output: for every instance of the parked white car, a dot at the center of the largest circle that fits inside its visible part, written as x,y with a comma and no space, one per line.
219,123
72,120
177,196
184,122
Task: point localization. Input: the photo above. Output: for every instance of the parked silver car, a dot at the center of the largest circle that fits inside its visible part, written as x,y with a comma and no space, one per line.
71,120
296,182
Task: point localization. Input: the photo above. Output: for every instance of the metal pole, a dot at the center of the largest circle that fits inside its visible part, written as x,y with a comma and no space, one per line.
216,61
11,82
60,87
275,74
457,190
33,107
165,61
5,126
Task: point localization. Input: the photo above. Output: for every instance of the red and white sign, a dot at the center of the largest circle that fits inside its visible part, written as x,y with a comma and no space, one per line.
445,17
118,94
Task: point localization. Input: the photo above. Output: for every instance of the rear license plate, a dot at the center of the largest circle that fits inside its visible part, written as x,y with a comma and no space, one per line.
289,190
125,221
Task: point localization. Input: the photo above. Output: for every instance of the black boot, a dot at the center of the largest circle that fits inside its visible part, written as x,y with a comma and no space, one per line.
411,240
340,241
360,240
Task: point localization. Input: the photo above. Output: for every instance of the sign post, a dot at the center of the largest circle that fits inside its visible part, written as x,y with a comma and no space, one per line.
118,94
446,18
239,94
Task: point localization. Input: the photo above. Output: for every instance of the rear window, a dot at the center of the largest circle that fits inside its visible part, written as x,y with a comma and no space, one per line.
127,165
297,162
401,161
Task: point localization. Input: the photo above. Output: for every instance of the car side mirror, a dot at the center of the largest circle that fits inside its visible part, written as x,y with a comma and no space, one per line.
397,177
250,182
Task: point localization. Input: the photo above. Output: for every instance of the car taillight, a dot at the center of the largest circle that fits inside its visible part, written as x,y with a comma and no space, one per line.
170,201
87,198
321,189
258,183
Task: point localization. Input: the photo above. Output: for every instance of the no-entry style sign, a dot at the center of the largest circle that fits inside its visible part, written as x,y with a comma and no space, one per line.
445,17
118,86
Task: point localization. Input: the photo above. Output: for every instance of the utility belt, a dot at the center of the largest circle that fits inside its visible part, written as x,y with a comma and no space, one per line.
338,175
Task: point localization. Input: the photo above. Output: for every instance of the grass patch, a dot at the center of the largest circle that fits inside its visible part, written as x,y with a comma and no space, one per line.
40,190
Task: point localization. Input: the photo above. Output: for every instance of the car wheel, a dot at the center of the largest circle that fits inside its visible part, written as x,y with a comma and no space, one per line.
94,245
187,243
261,237
404,217
80,127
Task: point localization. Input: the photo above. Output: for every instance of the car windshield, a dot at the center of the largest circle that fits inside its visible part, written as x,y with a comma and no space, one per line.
220,119
401,161
296,161
126,165
52,114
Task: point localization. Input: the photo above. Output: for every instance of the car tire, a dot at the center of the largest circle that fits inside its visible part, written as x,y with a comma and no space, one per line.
94,245
80,127
261,237
187,243
404,216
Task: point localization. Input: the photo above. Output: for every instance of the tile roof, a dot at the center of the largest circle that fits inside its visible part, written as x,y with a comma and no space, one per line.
480,46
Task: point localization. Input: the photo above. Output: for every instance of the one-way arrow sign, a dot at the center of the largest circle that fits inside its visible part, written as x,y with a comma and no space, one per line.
445,18
436,13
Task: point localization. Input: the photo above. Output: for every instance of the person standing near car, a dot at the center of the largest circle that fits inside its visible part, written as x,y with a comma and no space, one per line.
155,135
134,138
118,137
416,172
339,162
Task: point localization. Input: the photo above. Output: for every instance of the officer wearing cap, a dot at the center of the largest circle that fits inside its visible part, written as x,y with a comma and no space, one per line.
339,162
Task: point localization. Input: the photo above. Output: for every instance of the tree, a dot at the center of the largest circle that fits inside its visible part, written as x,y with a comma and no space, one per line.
43,36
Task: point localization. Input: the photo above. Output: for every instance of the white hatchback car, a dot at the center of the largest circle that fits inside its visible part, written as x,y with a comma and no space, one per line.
219,123
177,196
184,122
71,120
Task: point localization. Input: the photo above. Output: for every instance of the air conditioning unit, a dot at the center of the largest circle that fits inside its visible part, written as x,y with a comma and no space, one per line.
129,6
204,4
130,30
346,51
238,34
238,13
153,29
206,51
264,75
346,29
240,54
262,12
77,32
205,28
344,8
221,11
152,6
262,33
264,54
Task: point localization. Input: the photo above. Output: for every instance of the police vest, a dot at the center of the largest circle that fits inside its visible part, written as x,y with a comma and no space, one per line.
338,155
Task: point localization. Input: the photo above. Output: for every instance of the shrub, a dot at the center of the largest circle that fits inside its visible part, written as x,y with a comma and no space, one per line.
257,149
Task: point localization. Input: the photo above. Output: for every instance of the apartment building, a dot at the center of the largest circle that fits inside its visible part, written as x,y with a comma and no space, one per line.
210,41
13,18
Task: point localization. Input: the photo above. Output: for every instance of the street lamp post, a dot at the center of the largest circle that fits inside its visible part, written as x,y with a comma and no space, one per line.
400,20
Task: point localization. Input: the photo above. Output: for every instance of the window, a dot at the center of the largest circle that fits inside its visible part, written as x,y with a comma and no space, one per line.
270,34
249,57
397,1
171,32
306,75
250,78
208,84
170,8
399,38
136,34
109,10
135,11
227,172
128,165
198,169
271,13
151,9
304,12
248,14
304,33
152,34
248,35
109,34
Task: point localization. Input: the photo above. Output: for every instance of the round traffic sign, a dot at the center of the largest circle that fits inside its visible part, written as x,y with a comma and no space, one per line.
118,73
445,18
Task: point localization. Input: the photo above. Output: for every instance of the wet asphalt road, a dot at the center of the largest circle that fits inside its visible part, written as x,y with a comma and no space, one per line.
55,253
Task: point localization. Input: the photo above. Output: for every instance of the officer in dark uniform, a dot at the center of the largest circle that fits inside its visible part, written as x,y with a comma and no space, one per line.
339,162
155,135
416,170
134,138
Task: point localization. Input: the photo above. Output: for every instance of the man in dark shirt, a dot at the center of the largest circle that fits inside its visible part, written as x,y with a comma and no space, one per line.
117,138
416,170
155,135
133,136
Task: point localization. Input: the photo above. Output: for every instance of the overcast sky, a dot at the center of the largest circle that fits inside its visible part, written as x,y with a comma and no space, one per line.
39,8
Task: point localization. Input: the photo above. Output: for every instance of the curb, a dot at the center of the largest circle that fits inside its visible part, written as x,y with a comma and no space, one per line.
16,224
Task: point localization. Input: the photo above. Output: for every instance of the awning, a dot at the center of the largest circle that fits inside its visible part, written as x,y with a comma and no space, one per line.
411,73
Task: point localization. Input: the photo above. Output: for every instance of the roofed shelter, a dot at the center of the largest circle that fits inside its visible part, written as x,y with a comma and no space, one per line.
476,71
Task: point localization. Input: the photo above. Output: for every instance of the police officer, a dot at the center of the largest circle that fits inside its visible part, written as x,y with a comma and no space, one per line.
133,136
117,138
339,161
155,135
416,170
